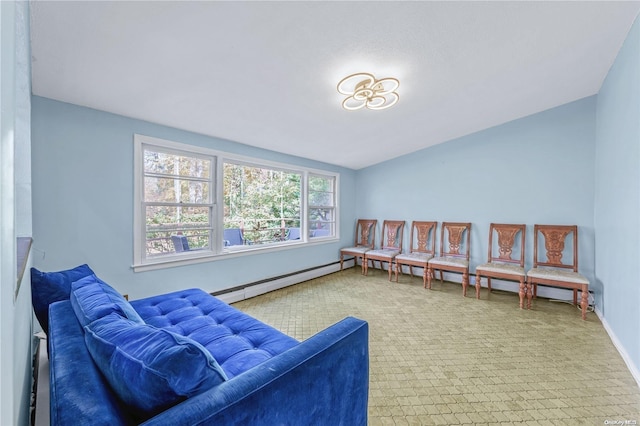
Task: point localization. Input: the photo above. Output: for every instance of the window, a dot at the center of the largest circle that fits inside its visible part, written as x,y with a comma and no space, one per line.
261,204
322,206
176,202
194,204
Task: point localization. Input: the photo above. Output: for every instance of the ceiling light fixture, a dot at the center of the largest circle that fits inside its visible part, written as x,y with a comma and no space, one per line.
364,91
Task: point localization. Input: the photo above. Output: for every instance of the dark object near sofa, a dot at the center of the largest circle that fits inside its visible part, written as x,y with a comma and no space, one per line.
187,358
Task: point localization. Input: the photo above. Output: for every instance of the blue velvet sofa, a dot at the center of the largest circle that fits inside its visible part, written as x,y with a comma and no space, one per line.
187,358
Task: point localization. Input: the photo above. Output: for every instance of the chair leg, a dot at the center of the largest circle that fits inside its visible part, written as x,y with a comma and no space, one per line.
522,292
584,301
363,266
441,277
478,285
429,273
424,277
398,266
465,283
530,292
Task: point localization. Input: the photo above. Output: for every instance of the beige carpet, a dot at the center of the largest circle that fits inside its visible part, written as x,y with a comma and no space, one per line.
439,358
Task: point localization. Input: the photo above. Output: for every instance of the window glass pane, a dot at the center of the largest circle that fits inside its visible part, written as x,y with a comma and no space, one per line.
174,164
176,217
164,223
161,242
172,190
320,199
263,203
321,206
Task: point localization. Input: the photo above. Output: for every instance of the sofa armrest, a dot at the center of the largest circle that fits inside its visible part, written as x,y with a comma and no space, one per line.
78,392
323,380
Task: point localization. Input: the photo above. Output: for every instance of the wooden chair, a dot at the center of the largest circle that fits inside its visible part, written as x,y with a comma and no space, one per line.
553,272
422,247
363,242
390,245
451,260
500,265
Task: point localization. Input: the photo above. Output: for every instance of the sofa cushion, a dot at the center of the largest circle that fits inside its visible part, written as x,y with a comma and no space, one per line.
49,287
236,340
93,298
149,368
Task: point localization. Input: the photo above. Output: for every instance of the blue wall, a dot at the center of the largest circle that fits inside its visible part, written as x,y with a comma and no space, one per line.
83,203
617,195
15,213
538,169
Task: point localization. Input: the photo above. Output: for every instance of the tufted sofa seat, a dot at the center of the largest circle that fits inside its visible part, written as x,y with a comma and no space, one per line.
236,340
187,358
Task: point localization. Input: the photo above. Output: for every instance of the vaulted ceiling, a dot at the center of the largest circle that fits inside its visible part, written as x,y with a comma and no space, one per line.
265,73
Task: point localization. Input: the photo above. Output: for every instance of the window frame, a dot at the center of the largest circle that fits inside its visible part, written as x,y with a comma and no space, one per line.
217,250
334,207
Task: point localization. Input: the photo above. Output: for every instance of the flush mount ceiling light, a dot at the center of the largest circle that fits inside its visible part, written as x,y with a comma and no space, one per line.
364,91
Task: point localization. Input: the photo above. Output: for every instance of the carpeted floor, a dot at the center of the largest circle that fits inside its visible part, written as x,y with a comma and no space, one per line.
439,358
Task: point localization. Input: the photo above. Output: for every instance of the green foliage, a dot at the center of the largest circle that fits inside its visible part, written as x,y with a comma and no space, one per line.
261,201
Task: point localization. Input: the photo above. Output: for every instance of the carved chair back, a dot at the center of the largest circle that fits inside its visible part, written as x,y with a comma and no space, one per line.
555,237
392,233
366,233
507,239
423,237
453,233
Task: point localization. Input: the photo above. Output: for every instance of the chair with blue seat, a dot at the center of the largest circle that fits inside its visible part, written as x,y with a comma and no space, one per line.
233,237
293,234
320,233
180,243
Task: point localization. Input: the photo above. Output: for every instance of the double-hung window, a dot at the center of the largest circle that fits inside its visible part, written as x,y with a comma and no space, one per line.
176,202
322,205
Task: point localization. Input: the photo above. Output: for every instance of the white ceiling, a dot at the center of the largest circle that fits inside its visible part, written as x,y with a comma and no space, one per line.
265,73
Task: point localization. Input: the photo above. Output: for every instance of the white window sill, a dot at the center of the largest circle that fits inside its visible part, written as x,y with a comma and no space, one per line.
209,256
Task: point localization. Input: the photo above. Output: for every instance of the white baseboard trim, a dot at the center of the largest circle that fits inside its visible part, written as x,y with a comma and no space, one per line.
635,372
252,290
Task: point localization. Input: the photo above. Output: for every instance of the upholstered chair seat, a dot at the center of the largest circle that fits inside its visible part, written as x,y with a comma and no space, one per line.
359,250
501,267
385,254
558,274
415,256
449,261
